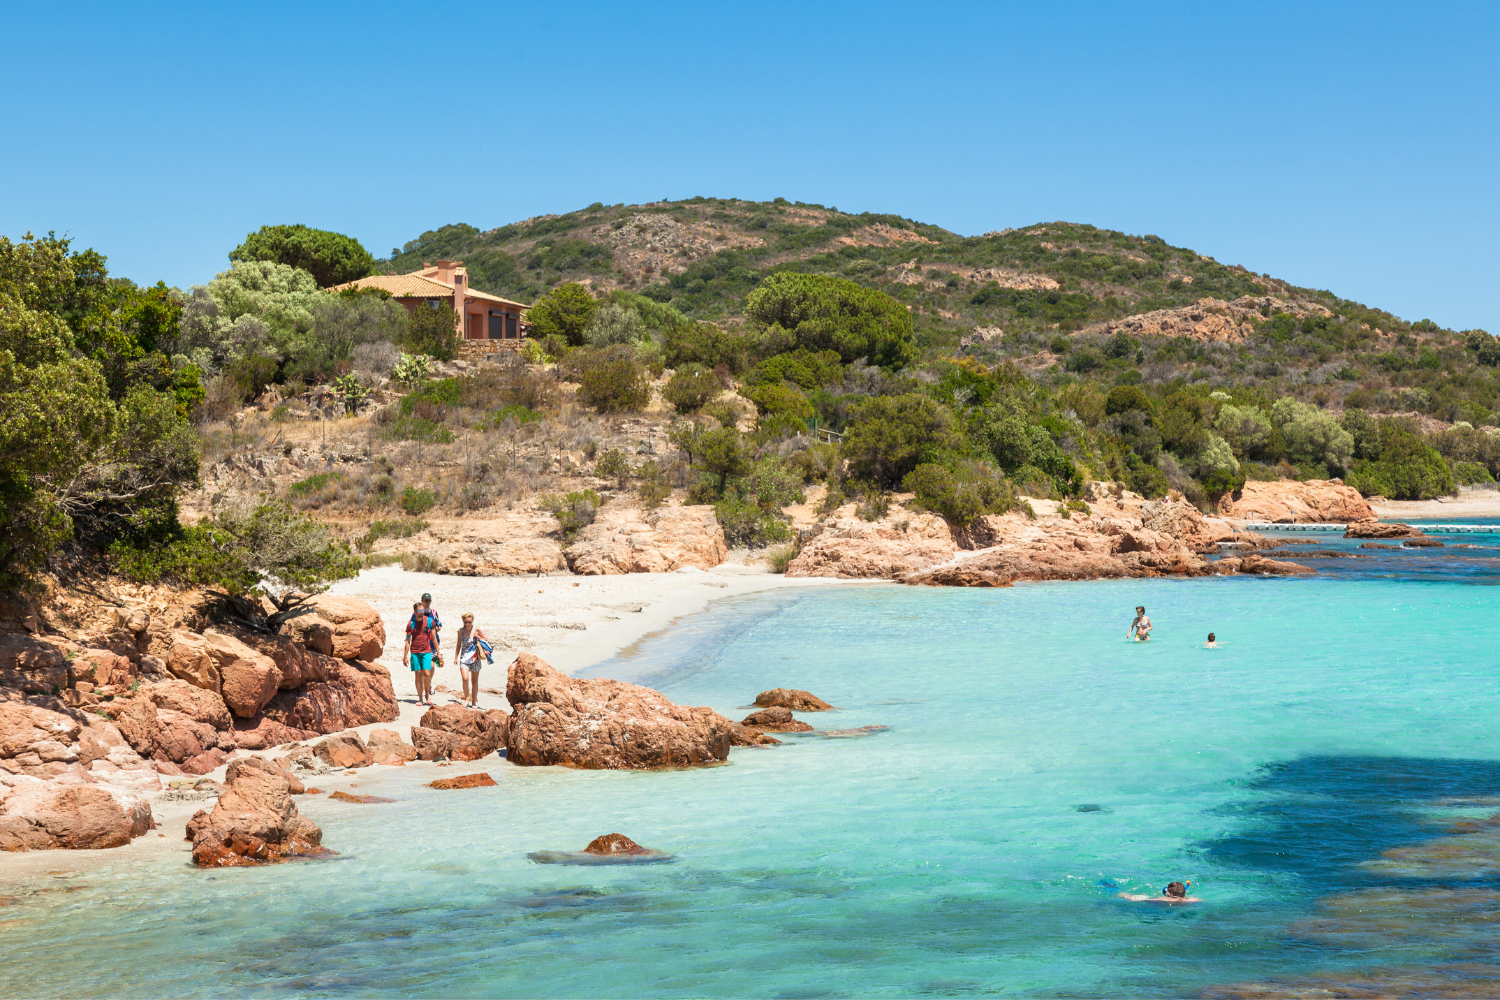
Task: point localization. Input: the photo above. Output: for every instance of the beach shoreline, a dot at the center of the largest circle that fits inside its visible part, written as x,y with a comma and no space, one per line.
1468,503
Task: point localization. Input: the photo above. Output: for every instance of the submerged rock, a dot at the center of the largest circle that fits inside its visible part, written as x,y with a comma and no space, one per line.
610,849
479,779
793,699
776,720
605,723
1375,529
358,799
852,734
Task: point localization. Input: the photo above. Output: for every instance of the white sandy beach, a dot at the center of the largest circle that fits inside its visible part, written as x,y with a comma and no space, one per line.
572,622
1468,503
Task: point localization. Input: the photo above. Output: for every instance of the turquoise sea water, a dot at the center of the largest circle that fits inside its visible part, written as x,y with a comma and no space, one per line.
1343,717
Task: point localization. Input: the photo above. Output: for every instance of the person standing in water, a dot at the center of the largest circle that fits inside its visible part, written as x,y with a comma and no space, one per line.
1141,627
471,652
1212,642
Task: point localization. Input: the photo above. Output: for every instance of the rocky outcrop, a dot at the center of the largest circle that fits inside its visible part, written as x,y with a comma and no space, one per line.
386,747
479,733
68,780
1291,502
261,733
792,699
627,539
1375,529
601,723
1259,566
897,545
245,678
254,821
774,720
354,693
40,815
34,665
521,543
343,750
357,632
193,702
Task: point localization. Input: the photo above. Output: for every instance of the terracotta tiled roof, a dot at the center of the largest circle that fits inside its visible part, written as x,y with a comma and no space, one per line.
401,286
415,286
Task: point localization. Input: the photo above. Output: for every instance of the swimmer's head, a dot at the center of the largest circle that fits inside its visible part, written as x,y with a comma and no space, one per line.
1210,637
1175,890
1140,610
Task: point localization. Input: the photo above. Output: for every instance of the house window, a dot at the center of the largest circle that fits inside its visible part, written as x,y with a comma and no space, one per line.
497,326
510,327
434,303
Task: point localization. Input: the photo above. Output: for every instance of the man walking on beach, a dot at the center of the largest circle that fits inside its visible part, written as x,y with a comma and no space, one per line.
418,652
437,629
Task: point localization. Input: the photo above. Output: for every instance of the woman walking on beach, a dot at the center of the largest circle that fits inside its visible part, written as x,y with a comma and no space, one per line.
472,652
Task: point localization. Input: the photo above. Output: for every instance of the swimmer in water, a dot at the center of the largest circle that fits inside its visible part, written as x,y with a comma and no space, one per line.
1173,894
1141,627
1212,642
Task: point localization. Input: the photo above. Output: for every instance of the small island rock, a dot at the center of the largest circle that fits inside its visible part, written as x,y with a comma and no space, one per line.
793,699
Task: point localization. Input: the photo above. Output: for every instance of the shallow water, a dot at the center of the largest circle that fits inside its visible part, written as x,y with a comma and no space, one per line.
957,853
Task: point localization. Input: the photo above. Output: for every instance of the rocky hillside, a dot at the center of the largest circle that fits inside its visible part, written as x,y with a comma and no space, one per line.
1060,299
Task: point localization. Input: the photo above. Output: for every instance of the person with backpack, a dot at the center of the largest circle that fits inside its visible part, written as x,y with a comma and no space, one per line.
420,647
472,652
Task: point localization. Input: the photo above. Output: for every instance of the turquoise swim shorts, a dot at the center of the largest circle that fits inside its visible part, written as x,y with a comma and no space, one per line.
421,661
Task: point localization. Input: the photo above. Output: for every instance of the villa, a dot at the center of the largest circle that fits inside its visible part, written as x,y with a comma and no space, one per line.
481,316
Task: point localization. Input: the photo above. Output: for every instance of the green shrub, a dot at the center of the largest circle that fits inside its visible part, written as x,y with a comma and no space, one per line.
1033,481
1470,473
433,332
331,258
189,557
520,414
1222,481
415,500
1079,506
745,524
395,528
874,506
250,376
613,465
691,388
411,368
703,343
573,512
565,313
1084,361
833,314
1060,345
655,485
777,399
959,496
802,367
889,436
432,399
613,386
1145,478
417,429
419,562
1123,398
314,483
780,557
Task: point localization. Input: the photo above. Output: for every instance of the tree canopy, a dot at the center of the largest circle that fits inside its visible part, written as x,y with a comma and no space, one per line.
833,314
331,258
564,312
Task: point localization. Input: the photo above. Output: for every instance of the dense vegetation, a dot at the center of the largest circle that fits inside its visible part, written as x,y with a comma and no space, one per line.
866,352
96,440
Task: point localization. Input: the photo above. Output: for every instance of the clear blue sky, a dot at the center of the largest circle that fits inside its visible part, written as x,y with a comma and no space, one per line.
1350,147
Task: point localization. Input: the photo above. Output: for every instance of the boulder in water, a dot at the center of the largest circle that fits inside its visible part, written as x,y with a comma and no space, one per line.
792,698
254,821
610,849
775,720
479,779
605,724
